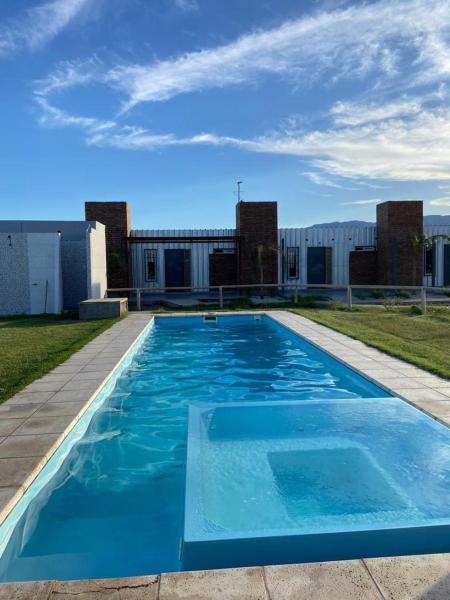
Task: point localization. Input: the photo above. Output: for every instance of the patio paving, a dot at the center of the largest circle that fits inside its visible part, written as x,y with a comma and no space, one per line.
35,421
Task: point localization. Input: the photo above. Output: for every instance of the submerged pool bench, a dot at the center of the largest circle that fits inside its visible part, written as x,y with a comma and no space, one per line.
286,482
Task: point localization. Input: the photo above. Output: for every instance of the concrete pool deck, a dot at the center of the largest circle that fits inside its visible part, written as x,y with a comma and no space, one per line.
34,422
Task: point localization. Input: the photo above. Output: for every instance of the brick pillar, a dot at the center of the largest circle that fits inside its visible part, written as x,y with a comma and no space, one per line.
399,259
257,226
115,216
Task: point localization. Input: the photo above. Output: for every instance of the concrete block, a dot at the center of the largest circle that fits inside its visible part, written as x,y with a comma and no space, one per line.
103,308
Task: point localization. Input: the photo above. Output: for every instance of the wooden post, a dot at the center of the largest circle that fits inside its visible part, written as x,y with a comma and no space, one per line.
423,300
220,296
138,298
349,298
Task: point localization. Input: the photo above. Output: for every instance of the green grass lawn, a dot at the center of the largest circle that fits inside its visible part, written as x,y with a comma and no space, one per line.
32,346
421,340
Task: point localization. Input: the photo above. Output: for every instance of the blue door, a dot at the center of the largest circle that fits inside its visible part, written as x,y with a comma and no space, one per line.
177,267
447,265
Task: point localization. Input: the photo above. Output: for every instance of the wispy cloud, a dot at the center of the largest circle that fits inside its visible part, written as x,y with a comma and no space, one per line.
371,39
187,6
440,201
38,25
405,138
349,113
362,202
319,179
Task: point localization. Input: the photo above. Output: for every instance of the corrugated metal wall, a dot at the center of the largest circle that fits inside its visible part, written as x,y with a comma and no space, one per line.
199,254
439,230
340,239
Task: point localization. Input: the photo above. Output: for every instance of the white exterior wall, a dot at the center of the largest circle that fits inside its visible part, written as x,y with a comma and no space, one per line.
444,231
340,239
199,254
30,273
45,277
96,262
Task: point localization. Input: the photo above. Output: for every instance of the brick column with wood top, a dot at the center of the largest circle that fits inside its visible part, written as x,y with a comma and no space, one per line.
257,226
399,255
115,216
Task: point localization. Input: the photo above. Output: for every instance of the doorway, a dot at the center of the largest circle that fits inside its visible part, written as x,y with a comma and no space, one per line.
319,265
177,268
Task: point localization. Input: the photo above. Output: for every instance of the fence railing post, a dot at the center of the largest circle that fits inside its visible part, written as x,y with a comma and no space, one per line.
220,296
349,298
138,298
423,300
296,295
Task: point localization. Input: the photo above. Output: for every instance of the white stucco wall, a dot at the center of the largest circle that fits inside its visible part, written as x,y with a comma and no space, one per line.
96,262
44,260
30,273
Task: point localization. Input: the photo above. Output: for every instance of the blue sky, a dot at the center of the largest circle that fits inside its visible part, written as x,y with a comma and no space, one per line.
326,106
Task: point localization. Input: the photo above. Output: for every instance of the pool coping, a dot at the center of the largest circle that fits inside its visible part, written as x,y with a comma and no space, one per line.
91,368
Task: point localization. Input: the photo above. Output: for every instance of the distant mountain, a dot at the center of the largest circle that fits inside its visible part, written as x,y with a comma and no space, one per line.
427,220
436,220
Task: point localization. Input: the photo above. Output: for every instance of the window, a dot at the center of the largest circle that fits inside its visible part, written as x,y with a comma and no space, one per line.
292,263
428,260
150,264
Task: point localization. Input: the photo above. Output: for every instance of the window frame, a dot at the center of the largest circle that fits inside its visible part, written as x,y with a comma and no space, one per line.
147,253
292,251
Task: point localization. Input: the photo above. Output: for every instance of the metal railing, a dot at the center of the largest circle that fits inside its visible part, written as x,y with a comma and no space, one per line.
295,287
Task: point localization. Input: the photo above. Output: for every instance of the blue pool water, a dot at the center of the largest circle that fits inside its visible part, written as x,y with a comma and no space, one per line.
314,480
116,505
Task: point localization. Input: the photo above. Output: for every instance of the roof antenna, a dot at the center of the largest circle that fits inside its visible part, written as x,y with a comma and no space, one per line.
239,190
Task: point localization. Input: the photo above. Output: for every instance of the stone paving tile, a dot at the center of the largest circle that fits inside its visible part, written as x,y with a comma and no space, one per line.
45,386
39,425
223,584
70,396
433,382
6,493
59,409
412,577
445,391
17,411
130,588
81,385
422,394
22,446
91,375
7,426
66,369
26,591
30,398
13,472
339,580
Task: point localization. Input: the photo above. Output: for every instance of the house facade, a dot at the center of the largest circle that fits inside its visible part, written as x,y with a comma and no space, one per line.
390,252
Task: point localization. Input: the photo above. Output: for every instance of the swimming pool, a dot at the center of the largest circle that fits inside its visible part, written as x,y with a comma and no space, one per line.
115,505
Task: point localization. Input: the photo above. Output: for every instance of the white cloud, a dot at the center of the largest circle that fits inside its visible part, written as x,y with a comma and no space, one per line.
364,39
319,179
349,113
390,139
55,117
440,201
187,5
362,202
38,25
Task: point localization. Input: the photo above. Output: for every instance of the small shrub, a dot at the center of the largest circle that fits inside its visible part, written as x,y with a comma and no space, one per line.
415,310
